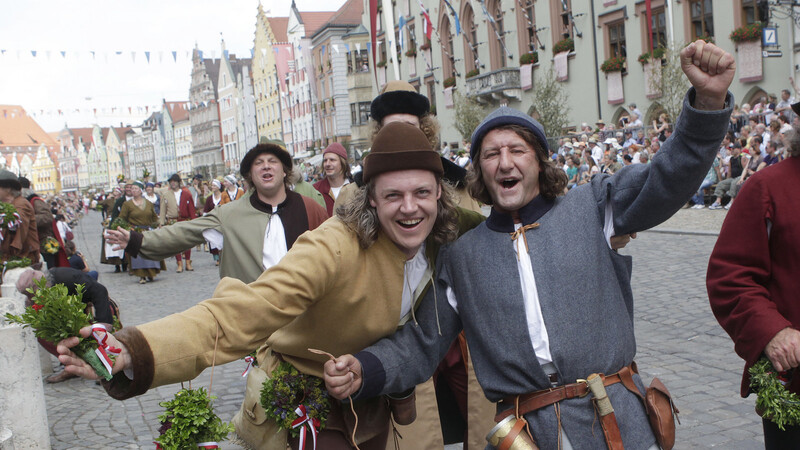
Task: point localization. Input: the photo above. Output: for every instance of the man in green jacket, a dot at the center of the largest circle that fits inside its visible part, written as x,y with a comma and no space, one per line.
256,232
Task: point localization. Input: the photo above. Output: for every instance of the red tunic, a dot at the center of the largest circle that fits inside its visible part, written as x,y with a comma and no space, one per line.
753,275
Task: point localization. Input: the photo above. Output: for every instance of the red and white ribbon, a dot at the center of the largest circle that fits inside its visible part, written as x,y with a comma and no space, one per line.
104,351
312,422
249,360
208,445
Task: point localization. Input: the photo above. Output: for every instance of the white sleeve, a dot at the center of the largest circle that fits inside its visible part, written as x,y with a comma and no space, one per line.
451,298
608,228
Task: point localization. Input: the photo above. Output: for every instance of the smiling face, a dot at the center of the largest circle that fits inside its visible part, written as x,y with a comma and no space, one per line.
510,170
267,175
332,164
406,204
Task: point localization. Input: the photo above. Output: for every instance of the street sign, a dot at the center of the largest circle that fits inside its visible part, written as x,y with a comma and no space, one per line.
771,53
769,36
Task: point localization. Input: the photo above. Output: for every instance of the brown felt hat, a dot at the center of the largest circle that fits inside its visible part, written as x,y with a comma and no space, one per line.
401,146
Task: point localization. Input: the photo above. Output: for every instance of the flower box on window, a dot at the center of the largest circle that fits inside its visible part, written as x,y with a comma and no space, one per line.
747,33
613,64
564,45
529,58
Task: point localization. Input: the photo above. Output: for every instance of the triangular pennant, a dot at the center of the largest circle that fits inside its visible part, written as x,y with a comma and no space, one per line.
160,56
133,56
252,53
63,54
174,56
335,48
47,53
358,47
33,52
147,57
93,54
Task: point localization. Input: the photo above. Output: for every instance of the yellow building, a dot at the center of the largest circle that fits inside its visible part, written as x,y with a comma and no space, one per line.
269,31
44,171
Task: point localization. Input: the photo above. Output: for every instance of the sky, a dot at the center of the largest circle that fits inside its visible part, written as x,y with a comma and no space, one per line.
100,87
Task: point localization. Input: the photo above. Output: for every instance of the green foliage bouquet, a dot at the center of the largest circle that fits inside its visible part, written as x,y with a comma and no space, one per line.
119,222
774,402
9,219
55,315
286,390
190,420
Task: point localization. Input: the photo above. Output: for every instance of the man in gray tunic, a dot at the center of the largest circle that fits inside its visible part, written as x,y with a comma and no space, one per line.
502,282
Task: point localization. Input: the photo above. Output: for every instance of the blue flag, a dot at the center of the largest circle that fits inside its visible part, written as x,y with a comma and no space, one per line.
455,15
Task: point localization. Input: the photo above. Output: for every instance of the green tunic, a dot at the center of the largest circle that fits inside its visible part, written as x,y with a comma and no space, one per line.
141,216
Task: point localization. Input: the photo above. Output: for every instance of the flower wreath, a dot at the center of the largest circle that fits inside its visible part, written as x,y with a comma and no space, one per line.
774,402
50,245
287,390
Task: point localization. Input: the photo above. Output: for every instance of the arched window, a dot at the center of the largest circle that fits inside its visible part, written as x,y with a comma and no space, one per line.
496,51
526,21
448,61
471,60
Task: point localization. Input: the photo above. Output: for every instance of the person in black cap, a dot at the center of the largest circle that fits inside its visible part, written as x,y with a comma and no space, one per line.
536,340
254,233
400,102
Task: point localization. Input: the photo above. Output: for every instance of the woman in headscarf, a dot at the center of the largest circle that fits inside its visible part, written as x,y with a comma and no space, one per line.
142,216
232,190
214,199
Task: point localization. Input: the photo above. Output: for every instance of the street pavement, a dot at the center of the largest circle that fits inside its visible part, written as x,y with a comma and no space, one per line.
678,340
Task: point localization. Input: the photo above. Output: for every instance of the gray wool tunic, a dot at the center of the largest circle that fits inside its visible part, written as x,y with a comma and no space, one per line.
588,314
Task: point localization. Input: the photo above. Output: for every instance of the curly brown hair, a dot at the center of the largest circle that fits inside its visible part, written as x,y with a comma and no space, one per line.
552,180
361,217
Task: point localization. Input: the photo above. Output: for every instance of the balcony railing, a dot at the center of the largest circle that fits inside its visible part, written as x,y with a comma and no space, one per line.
497,85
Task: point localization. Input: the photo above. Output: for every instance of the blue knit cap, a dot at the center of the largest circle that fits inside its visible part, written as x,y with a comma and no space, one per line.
506,116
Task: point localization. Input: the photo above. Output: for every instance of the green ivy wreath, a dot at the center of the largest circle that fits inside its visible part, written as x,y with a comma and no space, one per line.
286,389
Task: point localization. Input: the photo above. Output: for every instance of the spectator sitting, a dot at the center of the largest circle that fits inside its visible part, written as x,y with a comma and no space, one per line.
77,261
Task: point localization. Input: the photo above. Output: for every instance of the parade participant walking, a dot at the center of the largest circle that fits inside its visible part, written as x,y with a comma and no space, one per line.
142,216
232,190
752,278
45,225
211,202
152,197
534,339
178,206
370,267
23,242
337,174
118,203
257,232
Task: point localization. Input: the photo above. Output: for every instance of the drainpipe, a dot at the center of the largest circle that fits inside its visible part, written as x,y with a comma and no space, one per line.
596,71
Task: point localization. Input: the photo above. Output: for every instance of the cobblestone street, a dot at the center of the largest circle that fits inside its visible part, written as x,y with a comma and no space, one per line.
678,340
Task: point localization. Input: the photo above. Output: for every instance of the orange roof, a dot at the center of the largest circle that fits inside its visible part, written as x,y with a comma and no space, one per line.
79,134
178,111
17,128
279,26
314,20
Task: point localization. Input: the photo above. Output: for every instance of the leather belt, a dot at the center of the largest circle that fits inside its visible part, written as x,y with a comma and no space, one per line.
546,397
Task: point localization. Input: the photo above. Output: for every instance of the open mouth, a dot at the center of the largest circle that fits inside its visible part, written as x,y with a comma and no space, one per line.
508,184
410,223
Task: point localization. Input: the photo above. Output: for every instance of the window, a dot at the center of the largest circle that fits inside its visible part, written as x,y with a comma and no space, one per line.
350,56
431,92
616,40
562,19
496,48
755,11
448,61
527,22
362,60
659,27
702,15
471,60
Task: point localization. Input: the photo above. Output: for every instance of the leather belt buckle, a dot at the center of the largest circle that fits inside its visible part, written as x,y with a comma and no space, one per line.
586,392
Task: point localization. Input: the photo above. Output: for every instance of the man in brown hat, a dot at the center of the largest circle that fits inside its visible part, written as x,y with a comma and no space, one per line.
23,241
371,265
177,205
256,232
